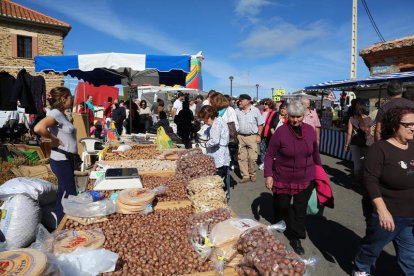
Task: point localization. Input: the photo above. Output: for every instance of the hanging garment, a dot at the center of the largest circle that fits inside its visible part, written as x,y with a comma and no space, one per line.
22,92
38,89
6,85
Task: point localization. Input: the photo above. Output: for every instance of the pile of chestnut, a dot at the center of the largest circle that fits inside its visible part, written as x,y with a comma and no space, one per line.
153,244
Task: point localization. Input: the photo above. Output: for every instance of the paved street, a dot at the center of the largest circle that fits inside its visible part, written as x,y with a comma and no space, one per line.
333,237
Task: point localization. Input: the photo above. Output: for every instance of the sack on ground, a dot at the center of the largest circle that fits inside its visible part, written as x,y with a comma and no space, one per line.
37,189
20,217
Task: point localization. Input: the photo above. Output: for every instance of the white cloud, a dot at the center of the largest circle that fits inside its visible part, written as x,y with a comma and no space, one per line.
98,15
251,8
283,37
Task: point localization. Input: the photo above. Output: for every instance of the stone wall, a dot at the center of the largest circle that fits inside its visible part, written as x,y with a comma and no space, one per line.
49,42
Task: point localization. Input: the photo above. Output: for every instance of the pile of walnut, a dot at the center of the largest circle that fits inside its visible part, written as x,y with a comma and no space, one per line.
137,152
153,244
208,220
143,164
193,164
206,193
175,189
265,255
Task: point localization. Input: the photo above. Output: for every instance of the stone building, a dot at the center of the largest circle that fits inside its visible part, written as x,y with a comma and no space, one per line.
390,56
25,33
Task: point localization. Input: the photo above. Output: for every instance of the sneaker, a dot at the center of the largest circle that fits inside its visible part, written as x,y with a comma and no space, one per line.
261,167
253,178
360,273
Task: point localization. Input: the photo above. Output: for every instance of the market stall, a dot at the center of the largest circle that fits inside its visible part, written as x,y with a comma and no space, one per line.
333,138
173,225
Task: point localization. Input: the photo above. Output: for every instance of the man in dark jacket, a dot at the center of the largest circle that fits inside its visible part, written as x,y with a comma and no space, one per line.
118,116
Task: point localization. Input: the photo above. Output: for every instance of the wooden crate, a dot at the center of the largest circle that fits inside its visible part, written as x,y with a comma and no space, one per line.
24,147
228,271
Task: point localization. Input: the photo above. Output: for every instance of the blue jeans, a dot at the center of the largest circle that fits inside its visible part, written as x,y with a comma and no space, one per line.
66,183
376,238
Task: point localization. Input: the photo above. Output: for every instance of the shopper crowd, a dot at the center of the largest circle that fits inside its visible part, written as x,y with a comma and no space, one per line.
280,138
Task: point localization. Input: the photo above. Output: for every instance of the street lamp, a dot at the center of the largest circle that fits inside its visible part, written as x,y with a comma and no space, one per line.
257,92
231,85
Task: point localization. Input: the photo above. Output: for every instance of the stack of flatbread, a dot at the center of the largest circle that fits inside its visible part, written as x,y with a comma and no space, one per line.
132,201
68,241
21,262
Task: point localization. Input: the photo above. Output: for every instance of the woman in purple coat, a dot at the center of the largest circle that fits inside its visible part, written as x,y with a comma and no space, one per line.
290,172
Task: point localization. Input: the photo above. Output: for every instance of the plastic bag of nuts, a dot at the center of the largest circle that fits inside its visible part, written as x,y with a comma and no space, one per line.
267,262
210,219
259,236
194,165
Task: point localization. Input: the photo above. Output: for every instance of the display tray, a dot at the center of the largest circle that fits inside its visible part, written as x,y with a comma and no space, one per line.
158,206
161,173
228,271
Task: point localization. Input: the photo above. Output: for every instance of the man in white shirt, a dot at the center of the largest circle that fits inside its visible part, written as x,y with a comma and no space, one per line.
178,104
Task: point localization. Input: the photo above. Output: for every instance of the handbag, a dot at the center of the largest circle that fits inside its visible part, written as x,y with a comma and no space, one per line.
232,133
74,158
358,138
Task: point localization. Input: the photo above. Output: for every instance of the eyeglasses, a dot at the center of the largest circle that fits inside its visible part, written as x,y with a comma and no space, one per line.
292,116
407,125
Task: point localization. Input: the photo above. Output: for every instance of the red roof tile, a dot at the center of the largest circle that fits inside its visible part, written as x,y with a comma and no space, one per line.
13,10
406,41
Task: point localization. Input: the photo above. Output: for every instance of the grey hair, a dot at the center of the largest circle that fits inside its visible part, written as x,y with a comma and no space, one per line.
296,108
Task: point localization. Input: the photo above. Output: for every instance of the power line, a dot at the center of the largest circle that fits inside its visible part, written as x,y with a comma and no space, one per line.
371,18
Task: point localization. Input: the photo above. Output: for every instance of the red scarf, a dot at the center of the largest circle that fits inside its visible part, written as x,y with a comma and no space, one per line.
267,122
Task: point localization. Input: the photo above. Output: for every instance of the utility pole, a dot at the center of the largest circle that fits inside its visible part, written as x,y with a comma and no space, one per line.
231,85
354,38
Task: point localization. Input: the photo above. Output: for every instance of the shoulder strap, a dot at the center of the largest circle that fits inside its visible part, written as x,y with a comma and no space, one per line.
61,151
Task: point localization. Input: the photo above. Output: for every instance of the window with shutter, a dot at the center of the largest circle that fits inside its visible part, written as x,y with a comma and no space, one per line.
24,46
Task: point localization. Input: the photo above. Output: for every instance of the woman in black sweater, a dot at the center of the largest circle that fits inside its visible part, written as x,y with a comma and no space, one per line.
389,182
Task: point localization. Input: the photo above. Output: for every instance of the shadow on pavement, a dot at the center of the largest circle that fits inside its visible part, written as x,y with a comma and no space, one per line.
262,207
342,178
339,245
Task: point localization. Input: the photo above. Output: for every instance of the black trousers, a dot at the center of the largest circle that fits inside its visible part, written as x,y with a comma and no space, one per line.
294,214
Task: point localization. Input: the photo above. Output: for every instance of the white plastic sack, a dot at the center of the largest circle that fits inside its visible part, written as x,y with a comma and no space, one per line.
87,262
82,207
38,189
81,262
20,217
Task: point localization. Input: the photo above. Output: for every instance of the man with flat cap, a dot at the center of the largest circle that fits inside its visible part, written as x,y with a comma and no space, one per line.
250,130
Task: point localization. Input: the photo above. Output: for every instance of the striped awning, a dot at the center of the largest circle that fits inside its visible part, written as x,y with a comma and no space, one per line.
366,82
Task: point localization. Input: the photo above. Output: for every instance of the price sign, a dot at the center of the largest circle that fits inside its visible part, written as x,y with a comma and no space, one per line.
133,92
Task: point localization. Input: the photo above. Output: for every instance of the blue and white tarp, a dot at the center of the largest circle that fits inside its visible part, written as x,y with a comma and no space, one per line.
112,68
372,80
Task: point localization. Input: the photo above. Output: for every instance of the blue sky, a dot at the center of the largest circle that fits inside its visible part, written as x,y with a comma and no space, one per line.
273,43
